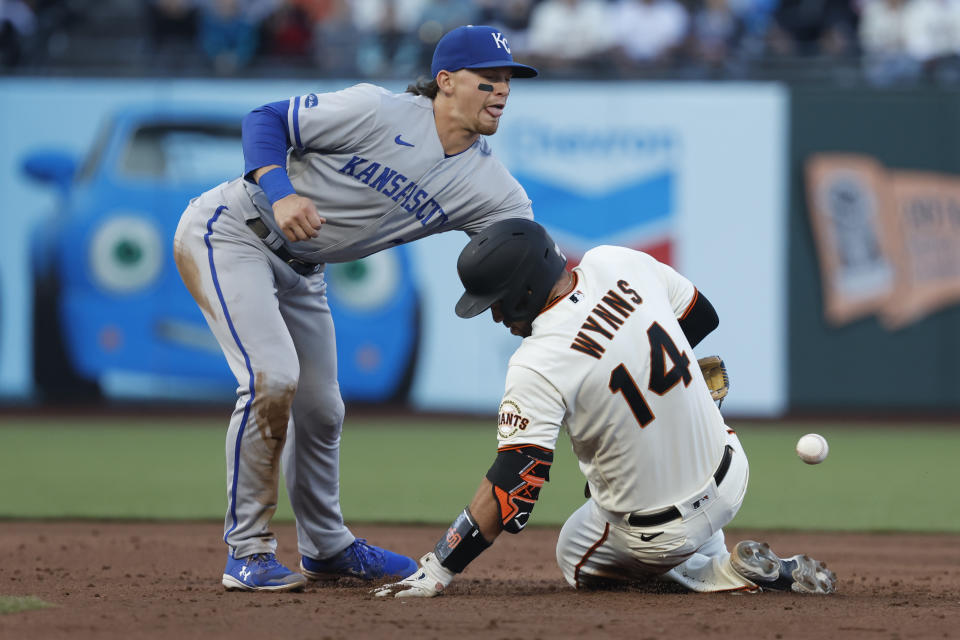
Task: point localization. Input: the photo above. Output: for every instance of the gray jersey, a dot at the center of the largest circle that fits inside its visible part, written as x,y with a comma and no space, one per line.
372,162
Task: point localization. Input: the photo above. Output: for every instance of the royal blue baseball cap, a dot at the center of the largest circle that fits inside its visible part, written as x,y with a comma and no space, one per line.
476,47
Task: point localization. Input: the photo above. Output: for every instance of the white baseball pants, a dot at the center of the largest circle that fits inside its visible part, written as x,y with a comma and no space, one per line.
597,547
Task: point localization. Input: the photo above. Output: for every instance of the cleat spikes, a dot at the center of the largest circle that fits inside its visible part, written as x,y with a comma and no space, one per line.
756,562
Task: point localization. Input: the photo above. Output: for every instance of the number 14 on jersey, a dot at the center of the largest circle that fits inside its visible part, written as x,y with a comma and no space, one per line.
662,380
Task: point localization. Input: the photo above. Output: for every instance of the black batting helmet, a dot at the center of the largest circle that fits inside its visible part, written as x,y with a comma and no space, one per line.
514,262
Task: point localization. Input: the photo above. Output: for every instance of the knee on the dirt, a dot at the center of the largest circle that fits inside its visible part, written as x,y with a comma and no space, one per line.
566,561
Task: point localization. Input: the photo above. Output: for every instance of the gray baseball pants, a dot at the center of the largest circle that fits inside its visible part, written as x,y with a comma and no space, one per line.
275,329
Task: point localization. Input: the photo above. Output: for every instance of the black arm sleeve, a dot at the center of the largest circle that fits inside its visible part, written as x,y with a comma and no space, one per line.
699,319
517,475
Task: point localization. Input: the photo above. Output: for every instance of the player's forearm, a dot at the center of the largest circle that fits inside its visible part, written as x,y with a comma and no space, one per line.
460,545
522,469
486,512
471,532
275,182
258,173
264,136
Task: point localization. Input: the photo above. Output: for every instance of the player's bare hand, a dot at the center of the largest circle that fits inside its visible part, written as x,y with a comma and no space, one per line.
426,582
297,217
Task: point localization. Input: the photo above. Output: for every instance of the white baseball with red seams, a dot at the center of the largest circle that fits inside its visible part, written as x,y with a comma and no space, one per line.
813,448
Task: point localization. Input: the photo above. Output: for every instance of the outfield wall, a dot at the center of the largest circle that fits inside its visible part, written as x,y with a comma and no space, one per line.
691,173
709,177
891,337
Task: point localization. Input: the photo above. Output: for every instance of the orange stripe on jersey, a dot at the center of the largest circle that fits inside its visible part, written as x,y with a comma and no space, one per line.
696,294
556,300
517,447
590,552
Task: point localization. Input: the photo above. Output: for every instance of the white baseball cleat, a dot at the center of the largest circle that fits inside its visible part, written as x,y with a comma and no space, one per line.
757,562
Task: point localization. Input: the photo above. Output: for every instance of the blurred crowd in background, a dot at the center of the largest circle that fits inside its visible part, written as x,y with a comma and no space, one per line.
884,41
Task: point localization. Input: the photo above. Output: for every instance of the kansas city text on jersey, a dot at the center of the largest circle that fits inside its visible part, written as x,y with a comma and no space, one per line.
389,182
612,310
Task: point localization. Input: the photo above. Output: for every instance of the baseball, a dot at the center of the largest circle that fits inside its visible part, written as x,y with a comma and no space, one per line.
812,448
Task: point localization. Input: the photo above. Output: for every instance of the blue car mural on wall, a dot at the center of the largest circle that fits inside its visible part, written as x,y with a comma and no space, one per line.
111,315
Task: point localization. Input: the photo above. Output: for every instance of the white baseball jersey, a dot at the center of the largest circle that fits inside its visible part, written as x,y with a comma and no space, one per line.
610,364
373,164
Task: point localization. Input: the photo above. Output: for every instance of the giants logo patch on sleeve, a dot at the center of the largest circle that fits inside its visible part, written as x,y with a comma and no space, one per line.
511,420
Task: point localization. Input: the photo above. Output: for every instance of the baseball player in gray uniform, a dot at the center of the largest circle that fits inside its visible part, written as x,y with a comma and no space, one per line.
607,355
330,178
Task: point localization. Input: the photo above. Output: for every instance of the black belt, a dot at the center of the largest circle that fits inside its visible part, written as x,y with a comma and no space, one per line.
660,517
302,267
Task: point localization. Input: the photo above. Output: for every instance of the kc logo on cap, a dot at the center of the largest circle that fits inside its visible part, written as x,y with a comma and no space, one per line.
501,41
476,47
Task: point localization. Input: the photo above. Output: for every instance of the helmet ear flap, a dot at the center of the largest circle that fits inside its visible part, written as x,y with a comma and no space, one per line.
518,307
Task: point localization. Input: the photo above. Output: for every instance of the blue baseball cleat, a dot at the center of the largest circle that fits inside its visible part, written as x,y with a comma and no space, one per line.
260,572
360,560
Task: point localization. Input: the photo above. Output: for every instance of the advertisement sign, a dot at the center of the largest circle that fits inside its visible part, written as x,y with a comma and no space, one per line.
693,174
93,304
888,240
849,223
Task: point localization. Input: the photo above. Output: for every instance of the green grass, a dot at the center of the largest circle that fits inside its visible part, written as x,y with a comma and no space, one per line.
883,478
16,604
875,479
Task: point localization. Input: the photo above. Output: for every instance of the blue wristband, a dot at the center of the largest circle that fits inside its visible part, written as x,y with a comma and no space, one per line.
276,184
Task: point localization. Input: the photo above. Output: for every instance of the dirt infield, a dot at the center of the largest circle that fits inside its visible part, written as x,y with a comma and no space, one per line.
135,580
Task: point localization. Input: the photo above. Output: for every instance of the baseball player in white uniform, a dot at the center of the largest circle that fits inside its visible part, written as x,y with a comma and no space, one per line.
607,355
330,178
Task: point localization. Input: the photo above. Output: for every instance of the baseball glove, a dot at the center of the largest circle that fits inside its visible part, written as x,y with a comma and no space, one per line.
715,374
